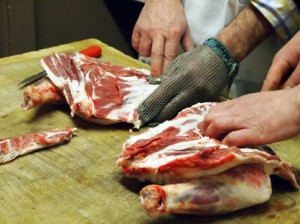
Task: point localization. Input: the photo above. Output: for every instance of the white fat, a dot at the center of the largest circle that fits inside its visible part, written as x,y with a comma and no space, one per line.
143,70
139,90
184,124
77,88
247,150
180,123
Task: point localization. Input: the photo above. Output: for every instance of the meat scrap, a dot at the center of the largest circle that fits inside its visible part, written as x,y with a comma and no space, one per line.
42,92
95,90
12,147
239,187
202,175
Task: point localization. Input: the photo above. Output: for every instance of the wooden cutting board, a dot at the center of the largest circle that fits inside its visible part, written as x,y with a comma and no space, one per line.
78,182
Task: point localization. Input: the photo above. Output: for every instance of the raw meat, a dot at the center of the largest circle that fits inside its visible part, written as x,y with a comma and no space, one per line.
42,92
236,188
191,159
184,127
10,148
175,153
95,90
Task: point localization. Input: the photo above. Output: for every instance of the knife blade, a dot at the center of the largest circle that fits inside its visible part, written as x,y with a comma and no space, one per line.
92,51
33,78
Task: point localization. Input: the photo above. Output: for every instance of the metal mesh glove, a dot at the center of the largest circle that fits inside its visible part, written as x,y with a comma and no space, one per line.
199,75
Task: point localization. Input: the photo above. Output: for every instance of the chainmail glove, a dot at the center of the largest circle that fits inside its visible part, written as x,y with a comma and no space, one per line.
199,75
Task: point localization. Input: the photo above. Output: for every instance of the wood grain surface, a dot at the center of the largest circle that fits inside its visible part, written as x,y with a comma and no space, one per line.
78,182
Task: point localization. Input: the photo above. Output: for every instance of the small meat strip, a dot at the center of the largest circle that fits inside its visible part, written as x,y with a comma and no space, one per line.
10,148
42,92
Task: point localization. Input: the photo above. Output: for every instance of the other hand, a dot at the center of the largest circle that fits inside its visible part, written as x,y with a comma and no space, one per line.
159,30
196,76
258,118
285,69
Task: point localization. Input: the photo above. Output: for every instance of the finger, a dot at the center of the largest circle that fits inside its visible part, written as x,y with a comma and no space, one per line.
242,137
218,125
205,124
135,39
171,47
186,41
154,103
294,79
145,44
224,106
219,110
171,108
157,55
208,119
278,69
173,66
178,98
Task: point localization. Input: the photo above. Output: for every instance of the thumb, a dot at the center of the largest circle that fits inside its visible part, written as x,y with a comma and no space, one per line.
275,75
294,78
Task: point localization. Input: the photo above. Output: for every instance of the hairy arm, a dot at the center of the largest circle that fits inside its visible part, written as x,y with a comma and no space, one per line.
204,72
245,32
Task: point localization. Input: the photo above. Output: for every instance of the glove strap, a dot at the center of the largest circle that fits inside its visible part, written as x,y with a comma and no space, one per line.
223,53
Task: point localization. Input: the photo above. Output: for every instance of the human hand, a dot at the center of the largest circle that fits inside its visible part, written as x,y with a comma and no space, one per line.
258,118
159,30
198,75
285,69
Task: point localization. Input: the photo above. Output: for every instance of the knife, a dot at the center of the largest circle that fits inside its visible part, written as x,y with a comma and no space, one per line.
264,148
92,51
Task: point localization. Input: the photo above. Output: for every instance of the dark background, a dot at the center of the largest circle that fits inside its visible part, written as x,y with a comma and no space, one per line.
27,25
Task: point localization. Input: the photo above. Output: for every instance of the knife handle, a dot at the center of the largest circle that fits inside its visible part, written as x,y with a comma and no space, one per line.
92,51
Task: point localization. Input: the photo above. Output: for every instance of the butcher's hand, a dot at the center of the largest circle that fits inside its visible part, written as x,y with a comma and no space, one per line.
196,76
158,32
285,69
254,119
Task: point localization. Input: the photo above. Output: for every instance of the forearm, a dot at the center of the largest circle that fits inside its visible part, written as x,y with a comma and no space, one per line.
245,32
